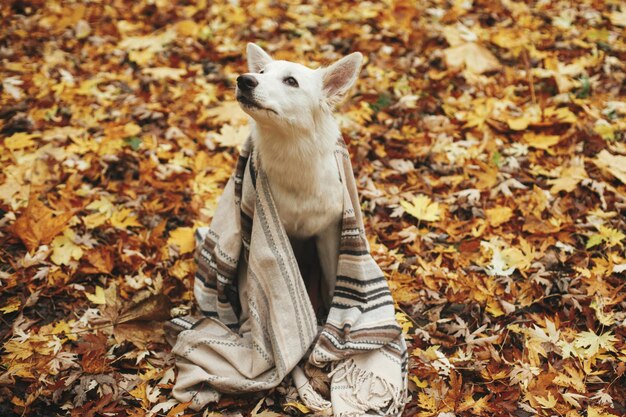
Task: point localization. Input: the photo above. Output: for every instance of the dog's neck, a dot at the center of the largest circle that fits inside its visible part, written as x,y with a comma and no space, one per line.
303,175
290,154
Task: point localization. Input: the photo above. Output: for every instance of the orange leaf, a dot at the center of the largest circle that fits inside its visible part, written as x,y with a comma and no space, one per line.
178,409
39,225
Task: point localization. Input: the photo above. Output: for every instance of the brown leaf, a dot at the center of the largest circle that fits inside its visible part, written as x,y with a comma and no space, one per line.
100,261
39,225
139,333
476,58
154,308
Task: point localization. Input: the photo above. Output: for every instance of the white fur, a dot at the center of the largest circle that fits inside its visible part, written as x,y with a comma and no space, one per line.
296,137
295,134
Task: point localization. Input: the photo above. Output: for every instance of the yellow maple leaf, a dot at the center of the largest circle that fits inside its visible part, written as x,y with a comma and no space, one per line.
132,129
426,402
569,177
228,112
187,28
161,73
572,399
476,58
615,165
541,141
103,205
62,327
422,208
604,317
141,49
91,221
605,130
419,383
548,402
597,412
498,215
299,406
20,140
12,305
183,238
607,235
105,210
232,136
98,297
592,343
64,249
481,111
361,114
404,321
561,114
574,378
182,268
124,218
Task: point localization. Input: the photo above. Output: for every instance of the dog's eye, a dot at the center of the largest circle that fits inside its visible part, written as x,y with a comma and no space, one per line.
262,71
291,82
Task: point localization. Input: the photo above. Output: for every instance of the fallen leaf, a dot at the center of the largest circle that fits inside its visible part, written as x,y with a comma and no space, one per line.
20,140
597,411
38,224
161,73
64,250
13,304
548,402
232,136
422,208
607,235
183,238
476,58
499,215
569,178
124,218
614,164
97,297
298,406
229,112
100,261
592,343
541,141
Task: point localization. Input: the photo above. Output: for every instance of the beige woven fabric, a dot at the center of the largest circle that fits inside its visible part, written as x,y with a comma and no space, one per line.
258,323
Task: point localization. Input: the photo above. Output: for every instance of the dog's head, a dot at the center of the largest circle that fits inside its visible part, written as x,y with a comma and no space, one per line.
283,93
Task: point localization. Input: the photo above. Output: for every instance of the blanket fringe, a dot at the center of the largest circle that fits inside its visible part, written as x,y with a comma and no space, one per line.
389,400
307,394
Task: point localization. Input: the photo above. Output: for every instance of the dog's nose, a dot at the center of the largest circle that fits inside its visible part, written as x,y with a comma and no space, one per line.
247,82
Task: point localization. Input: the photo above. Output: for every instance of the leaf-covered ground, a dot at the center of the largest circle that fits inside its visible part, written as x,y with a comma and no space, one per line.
489,142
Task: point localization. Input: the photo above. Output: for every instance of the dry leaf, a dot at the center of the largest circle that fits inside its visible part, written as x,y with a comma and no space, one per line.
498,215
183,238
232,136
64,250
98,297
614,164
476,58
422,208
38,224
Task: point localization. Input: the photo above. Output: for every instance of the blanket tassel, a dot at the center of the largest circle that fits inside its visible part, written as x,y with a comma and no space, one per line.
382,397
307,394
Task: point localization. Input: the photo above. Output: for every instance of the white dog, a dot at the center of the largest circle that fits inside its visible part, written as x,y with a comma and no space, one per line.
295,135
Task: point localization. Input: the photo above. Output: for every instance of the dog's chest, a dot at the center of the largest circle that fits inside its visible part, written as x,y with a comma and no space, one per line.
308,195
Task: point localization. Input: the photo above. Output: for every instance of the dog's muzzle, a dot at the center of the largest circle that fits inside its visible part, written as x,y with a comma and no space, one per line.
245,93
246,83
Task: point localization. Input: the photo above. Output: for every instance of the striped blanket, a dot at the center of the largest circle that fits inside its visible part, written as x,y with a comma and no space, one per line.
257,324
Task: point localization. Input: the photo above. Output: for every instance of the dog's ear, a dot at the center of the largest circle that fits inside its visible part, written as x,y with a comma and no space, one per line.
339,77
257,57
